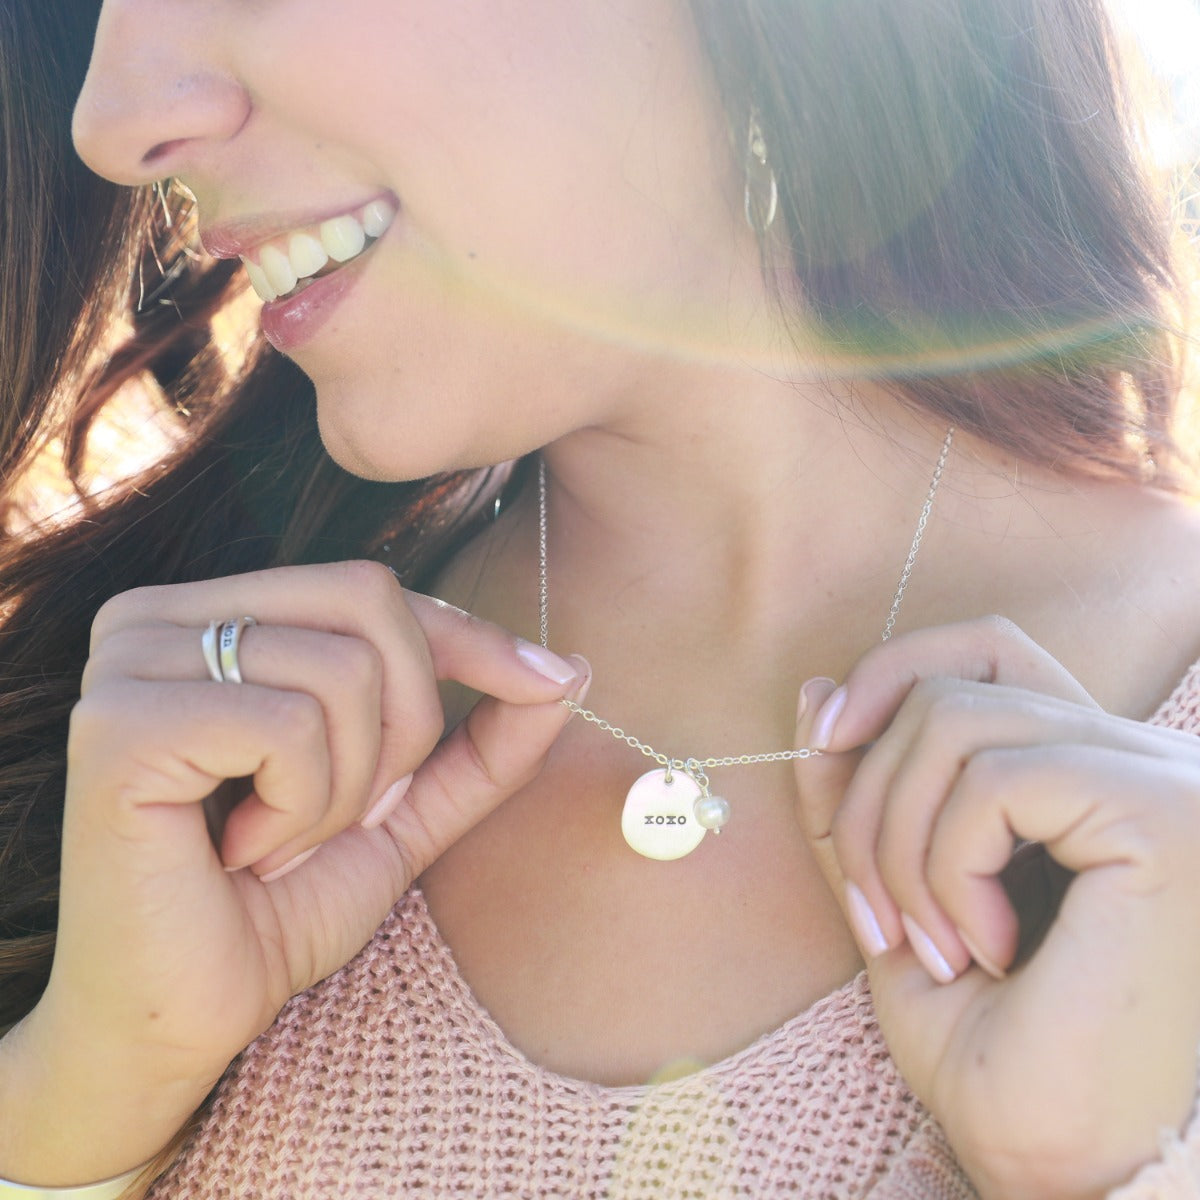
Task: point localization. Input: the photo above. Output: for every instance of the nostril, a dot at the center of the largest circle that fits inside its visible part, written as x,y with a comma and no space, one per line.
160,151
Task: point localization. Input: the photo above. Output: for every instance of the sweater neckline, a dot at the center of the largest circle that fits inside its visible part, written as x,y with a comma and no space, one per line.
846,1013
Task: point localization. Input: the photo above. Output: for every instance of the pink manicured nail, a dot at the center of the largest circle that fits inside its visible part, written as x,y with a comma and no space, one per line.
802,707
386,804
288,867
931,957
545,662
865,923
822,732
987,963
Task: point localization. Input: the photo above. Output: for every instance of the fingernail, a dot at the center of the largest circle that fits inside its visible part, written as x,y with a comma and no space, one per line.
822,732
865,923
923,946
583,671
386,804
288,867
803,706
988,964
545,662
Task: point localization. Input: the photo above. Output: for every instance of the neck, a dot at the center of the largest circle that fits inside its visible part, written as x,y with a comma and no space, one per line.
730,508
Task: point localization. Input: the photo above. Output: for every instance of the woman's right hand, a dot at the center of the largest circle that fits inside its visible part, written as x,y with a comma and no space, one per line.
176,949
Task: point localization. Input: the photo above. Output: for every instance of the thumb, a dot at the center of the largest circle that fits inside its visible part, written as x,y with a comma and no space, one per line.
821,782
499,748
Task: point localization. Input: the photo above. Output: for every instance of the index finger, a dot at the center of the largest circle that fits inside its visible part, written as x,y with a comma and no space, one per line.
362,599
419,640
988,650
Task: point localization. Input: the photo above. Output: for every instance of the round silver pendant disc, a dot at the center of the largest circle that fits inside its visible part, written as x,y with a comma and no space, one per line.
658,821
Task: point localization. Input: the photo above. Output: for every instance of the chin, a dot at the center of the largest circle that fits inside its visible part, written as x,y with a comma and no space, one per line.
376,460
392,449
360,446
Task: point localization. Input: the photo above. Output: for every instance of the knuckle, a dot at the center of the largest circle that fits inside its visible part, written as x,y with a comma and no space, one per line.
479,767
297,716
100,721
120,611
422,731
95,671
926,692
981,775
368,581
89,723
997,633
110,658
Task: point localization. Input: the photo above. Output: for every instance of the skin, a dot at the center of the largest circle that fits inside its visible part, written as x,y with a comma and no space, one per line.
723,529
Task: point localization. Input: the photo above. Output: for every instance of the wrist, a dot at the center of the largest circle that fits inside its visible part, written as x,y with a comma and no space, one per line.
74,1112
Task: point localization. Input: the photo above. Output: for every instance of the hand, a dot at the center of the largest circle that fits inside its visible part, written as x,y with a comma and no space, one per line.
174,951
1051,1078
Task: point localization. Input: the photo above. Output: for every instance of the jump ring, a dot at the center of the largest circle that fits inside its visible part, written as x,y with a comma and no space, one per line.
227,646
212,659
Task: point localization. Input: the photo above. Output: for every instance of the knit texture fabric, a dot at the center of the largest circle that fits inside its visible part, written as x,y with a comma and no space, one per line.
390,1080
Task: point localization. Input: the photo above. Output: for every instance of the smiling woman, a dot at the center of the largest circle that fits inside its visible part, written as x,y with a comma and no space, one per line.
698,326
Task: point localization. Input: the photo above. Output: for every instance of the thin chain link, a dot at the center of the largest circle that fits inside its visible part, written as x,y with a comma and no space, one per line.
543,576
695,767
890,624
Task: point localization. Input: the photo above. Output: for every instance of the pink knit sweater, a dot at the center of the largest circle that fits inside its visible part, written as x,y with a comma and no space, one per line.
389,1080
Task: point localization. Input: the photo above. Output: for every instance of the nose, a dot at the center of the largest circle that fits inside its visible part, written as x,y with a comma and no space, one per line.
159,93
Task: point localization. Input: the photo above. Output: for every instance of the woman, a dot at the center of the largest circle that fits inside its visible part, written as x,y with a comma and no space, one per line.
777,294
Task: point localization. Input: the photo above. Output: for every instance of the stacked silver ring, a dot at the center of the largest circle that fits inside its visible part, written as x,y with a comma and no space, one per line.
219,643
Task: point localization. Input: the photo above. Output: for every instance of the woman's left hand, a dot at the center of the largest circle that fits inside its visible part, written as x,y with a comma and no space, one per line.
1053,1078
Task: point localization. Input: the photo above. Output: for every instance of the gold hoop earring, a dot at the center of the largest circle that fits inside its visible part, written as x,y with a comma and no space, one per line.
762,190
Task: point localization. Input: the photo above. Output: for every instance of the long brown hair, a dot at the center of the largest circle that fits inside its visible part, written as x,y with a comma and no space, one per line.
968,217
246,485
965,215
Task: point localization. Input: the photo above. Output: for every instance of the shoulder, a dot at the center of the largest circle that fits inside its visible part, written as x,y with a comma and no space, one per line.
1104,576
1147,595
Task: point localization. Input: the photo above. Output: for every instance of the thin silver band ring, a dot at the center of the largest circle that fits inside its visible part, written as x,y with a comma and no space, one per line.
208,644
228,639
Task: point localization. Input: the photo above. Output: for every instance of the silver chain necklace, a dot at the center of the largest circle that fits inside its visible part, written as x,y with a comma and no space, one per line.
670,808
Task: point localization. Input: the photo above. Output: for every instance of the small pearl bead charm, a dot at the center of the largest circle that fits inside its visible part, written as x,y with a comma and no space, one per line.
711,812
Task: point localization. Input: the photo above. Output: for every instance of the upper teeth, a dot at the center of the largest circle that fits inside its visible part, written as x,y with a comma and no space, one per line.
284,261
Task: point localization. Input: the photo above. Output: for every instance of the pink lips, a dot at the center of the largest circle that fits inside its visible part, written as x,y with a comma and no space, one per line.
290,322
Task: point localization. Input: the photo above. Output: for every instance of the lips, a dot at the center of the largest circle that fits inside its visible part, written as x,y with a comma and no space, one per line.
301,268
293,320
